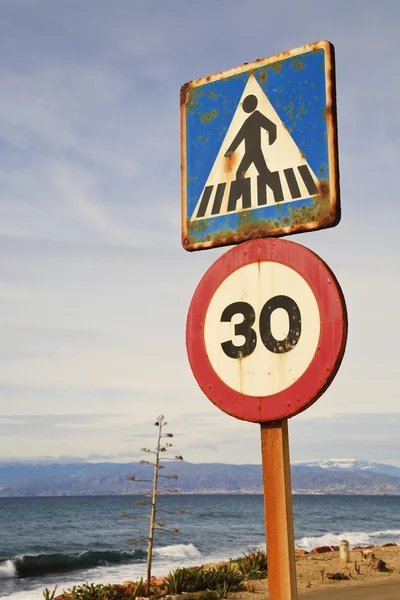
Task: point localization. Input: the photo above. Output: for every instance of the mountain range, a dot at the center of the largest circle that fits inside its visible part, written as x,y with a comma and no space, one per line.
46,478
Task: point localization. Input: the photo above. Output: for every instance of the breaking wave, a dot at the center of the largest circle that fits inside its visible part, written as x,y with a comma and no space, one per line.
31,565
44,564
178,551
355,538
7,569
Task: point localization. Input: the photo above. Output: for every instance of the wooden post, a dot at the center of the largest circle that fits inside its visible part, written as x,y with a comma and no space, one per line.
278,511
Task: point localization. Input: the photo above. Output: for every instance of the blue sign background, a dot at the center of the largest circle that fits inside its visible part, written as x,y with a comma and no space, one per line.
296,88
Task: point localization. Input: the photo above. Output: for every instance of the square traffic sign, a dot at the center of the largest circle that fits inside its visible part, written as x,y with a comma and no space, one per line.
259,150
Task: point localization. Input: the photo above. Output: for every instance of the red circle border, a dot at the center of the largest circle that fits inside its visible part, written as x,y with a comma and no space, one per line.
331,344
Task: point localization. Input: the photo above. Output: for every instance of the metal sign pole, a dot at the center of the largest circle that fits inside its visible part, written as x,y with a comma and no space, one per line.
278,511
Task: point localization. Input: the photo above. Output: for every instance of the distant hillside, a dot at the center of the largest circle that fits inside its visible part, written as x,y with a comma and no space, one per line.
57,479
351,464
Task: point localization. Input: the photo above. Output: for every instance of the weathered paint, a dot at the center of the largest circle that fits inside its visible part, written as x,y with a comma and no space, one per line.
263,372
300,85
251,379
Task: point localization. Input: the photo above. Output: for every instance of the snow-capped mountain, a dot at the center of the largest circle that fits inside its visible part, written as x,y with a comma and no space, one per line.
351,464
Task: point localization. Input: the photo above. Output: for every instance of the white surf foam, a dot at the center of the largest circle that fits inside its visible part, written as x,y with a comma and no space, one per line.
178,551
7,570
165,559
355,538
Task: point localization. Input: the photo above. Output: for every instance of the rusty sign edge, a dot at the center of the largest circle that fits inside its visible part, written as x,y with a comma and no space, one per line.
259,62
234,238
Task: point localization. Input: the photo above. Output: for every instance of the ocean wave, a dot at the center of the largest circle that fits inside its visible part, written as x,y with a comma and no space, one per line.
355,538
7,569
178,551
44,564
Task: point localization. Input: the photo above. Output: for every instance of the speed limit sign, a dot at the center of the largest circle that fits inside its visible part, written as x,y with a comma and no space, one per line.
266,330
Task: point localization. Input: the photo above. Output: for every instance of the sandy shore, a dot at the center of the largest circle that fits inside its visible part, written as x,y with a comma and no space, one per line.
385,590
365,581
372,574
388,590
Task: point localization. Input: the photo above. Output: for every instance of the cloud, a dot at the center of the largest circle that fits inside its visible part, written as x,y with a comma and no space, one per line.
36,423
94,285
363,436
77,191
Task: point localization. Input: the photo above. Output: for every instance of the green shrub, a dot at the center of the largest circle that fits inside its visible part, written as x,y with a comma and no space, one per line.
85,592
253,565
225,574
190,579
175,582
101,592
48,595
224,590
221,579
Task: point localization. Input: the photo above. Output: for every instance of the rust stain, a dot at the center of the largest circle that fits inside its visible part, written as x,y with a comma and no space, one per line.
284,54
325,208
276,66
327,115
185,89
269,62
209,116
263,76
323,188
317,216
230,163
241,373
196,225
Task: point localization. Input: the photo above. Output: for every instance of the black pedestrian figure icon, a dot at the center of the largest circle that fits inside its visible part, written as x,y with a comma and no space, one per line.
250,133
225,194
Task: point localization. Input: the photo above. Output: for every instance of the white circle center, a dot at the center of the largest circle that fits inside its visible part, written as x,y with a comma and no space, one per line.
280,323
256,370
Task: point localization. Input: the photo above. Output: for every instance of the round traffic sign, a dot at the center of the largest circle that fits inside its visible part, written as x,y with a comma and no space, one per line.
266,330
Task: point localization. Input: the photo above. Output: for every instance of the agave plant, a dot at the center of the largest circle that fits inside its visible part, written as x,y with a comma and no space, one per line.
253,565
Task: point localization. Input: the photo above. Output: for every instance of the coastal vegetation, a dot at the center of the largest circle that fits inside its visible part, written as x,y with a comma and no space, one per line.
240,578
214,582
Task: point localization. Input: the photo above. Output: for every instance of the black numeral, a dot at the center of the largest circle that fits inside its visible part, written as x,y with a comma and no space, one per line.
245,327
293,336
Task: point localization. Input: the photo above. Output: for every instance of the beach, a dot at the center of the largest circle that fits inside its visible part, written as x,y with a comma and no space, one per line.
365,581
382,591
372,573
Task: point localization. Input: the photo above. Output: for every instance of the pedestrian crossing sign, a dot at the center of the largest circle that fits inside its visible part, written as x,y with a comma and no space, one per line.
259,150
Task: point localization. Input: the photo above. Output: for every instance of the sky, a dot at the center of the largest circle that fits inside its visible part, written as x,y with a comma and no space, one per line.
94,283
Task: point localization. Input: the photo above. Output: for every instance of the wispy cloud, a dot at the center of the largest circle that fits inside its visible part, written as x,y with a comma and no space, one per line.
77,192
94,285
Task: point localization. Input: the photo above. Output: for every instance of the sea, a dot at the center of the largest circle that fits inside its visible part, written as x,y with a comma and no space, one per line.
66,541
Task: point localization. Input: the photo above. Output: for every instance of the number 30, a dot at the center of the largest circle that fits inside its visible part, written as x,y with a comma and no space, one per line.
245,328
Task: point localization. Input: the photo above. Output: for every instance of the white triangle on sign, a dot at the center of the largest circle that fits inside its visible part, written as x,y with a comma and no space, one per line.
258,164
